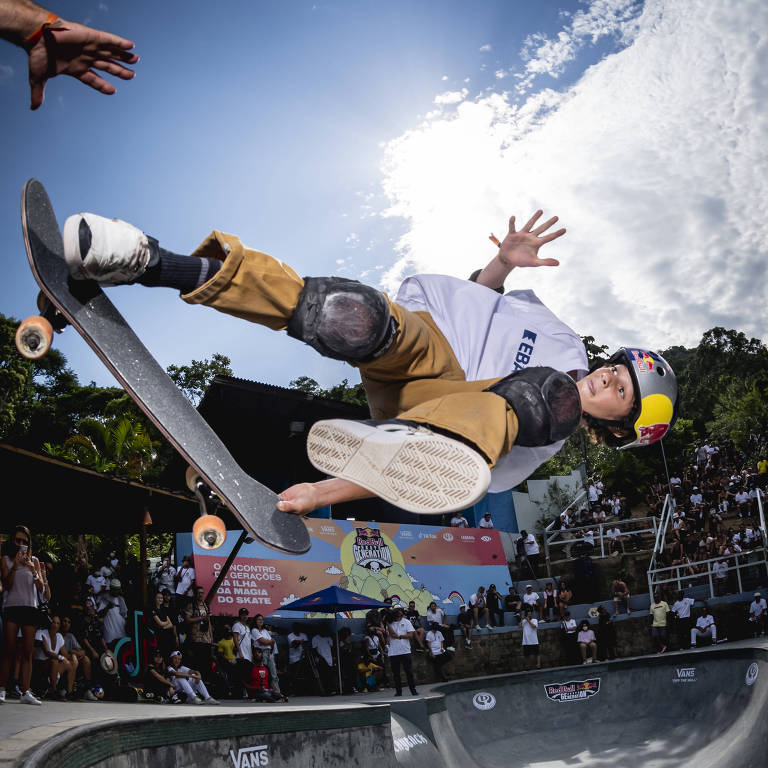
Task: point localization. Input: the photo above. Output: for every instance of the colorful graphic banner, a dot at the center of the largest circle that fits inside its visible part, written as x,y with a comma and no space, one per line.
379,560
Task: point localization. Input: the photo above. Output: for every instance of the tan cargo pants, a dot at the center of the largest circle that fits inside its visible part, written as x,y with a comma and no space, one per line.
417,378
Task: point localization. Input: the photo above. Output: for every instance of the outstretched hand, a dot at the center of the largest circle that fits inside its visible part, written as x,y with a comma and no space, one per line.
521,249
67,48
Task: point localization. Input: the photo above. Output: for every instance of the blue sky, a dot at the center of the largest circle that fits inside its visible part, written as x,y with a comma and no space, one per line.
373,139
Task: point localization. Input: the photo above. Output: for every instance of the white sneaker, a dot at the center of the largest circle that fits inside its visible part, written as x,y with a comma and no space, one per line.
402,462
88,695
451,649
211,700
2,695
195,700
110,251
29,698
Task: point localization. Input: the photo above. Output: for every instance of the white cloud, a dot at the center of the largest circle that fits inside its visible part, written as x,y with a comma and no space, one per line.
444,78
6,72
334,571
446,600
653,160
352,239
485,48
451,97
289,599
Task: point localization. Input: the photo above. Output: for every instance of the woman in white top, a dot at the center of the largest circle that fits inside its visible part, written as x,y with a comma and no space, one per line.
261,638
58,662
21,577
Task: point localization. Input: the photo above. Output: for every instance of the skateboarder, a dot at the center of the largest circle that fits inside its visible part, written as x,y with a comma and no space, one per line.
459,378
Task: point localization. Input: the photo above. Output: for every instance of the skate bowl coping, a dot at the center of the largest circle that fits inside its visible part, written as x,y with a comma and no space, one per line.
703,708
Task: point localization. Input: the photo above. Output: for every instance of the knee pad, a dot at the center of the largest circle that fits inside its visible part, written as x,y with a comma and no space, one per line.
546,402
343,319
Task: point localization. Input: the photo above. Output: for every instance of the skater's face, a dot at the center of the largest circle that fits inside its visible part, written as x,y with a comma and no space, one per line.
607,393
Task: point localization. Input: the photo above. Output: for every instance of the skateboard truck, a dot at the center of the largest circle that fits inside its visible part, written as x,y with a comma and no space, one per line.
208,530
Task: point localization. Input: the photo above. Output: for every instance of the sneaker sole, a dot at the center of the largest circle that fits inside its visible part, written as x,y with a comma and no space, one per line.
425,473
71,238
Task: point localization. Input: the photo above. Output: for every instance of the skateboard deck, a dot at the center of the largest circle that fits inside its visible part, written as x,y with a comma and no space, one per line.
87,308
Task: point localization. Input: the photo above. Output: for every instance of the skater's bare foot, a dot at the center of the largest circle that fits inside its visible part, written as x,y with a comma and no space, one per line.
303,498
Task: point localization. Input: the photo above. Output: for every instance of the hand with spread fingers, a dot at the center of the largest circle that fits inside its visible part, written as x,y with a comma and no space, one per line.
521,248
58,47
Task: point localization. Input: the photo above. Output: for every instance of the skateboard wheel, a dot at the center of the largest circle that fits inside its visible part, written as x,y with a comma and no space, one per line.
34,337
209,532
192,478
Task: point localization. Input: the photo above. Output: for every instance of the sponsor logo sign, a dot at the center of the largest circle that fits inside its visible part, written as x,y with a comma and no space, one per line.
409,741
448,536
685,675
486,539
752,672
369,549
484,700
250,757
573,690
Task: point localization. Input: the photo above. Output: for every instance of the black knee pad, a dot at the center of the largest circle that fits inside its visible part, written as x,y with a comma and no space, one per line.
546,402
343,319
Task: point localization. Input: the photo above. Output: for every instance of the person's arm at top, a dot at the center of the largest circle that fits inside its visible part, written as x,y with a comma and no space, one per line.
519,249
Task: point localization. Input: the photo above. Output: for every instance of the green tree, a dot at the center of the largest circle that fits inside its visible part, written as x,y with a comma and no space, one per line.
16,375
194,379
343,391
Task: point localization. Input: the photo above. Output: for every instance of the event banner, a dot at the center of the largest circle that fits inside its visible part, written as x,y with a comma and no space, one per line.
379,560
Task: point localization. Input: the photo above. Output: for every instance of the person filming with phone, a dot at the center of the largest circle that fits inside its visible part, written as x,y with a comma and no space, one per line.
22,578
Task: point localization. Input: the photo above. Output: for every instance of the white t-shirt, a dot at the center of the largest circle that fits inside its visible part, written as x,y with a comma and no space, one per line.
242,637
98,582
757,607
485,523
741,498
42,636
705,621
531,547
530,635
614,533
435,641
696,498
323,646
530,599
589,538
683,607
478,600
592,491
295,652
457,521
569,625
264,635
398,647
437,615
114,618
186,578
493,335
675,481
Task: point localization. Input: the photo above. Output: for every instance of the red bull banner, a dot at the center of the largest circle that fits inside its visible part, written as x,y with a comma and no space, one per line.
379,560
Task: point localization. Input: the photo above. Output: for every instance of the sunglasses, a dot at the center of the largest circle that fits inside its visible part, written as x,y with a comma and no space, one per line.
21,541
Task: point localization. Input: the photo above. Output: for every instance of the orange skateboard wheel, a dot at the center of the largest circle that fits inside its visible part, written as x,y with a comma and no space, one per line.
34,337
209,532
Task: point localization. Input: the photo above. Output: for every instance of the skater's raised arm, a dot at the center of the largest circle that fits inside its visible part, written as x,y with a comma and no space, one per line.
58,47
520,249
303,498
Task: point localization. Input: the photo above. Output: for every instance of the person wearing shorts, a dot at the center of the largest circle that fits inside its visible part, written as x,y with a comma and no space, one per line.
531,638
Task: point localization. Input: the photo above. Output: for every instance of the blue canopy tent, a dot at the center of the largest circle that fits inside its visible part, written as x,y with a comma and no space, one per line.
334,600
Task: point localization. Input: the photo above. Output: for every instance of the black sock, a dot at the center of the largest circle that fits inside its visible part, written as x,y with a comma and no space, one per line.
172,270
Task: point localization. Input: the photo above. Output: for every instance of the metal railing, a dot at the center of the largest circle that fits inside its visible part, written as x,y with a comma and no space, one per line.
555,538
703,570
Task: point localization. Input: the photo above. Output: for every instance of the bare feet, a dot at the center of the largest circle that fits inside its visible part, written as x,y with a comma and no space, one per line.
300,499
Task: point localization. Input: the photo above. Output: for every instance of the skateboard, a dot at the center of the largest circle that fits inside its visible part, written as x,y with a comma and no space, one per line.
213,475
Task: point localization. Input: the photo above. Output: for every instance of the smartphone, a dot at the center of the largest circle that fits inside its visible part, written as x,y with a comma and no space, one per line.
23,548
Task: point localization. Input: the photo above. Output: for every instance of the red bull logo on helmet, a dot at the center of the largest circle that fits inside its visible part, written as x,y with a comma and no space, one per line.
643,360
651,434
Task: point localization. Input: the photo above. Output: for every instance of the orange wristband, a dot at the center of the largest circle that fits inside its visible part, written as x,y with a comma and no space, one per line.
50,19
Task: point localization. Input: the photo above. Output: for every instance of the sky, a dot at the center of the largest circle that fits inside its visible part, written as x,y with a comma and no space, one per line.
374,140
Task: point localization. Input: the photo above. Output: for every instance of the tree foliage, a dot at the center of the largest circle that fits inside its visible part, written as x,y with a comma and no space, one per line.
194,379
343,391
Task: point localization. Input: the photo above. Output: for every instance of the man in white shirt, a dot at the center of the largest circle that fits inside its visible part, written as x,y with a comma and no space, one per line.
485,521
696,497
615,540
401,633
185,581
531,638
720,574
532,602
98,584
531,551
757,613
436,648
459,521
322,645
742,503
479,608
242,636
705,629
681,613
296,639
